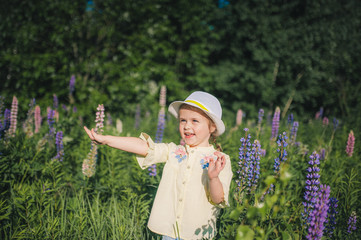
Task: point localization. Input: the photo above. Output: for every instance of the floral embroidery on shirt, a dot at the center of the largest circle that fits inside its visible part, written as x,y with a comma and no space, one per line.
206,159
180,154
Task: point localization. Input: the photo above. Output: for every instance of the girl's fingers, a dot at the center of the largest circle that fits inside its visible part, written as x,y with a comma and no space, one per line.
89,133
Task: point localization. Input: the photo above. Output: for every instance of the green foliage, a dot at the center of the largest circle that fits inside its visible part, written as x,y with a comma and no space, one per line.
260,54
42,198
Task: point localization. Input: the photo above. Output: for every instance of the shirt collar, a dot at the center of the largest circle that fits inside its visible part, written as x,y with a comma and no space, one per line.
200,149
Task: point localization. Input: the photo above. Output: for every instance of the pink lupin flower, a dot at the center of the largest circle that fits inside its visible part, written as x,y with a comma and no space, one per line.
28,124
350,143
89,164
13,117
239,117
99,119
325,121
162,96
37,119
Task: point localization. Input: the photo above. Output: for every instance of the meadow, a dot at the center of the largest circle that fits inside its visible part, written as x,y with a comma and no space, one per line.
294,177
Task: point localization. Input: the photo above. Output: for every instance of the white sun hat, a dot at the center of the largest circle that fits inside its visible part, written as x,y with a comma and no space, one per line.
207,103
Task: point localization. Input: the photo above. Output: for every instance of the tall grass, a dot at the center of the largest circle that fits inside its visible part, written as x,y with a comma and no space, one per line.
46,199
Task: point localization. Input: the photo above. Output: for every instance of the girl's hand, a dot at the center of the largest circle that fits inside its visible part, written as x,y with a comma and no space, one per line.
216,166
96,138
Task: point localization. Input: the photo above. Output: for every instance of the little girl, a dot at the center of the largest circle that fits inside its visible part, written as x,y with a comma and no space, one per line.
196,177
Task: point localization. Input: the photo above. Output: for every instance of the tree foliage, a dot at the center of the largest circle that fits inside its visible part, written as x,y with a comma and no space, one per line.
251,54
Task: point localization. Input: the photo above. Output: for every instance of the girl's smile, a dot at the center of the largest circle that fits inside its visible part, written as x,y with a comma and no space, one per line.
195,128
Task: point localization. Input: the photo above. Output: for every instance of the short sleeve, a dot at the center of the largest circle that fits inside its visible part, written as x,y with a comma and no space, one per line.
157,152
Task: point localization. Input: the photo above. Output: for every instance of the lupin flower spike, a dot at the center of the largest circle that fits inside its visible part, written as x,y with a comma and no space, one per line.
275,123
158,137
59,146
89,164
331,217
350,144
51,114
55,101
239,117
325,121
312,185
352,223
72,84
99,120
294,130
28,124
37,119
137,117
162,96
249,164
281,150
318,215
13,117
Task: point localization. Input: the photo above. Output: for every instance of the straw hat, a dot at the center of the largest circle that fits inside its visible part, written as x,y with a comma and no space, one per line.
207,103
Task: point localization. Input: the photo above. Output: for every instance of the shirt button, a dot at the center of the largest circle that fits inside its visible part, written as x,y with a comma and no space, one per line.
180,200
192,151
188,167
184,182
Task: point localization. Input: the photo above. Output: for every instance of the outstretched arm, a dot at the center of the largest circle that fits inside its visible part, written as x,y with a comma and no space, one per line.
128,144
215,185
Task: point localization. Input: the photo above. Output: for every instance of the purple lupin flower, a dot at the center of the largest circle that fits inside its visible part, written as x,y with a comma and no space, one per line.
350,144
55,101
37,119
322,154
244,153
158,137
312,186
318,214
6,123
330,222
28,124
293,134
290,119
275,123
59,146
249,164
89,164
51,114
260,118
282,152
352,222
335,123
72,84
7,115
137,117
269,190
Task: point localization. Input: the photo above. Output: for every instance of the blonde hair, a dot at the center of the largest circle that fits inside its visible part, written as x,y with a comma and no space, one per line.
213,137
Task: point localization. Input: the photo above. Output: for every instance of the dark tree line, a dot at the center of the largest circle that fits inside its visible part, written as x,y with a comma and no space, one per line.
251,54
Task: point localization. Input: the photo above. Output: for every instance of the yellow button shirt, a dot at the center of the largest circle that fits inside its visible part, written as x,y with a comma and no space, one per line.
183,194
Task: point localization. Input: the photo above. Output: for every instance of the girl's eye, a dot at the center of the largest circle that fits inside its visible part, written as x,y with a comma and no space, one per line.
182,120
195,120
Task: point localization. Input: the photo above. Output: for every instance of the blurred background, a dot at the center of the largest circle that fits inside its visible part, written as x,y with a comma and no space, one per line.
298,55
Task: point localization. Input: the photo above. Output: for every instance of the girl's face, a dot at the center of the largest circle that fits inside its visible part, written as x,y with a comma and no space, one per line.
195,129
